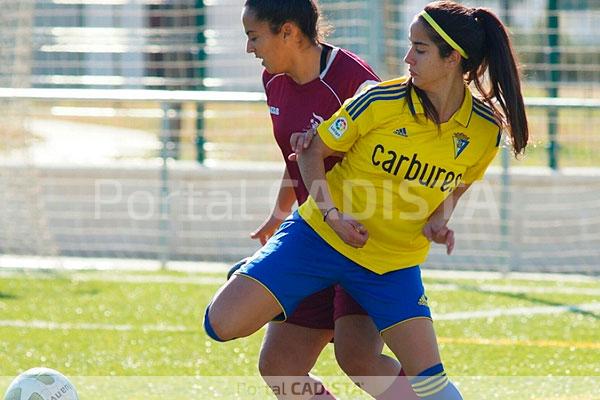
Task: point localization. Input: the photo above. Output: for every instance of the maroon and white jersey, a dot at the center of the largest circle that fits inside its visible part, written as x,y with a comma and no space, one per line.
296,108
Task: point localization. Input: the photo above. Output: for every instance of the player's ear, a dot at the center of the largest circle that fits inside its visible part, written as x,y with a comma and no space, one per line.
287,30
290,31
454,58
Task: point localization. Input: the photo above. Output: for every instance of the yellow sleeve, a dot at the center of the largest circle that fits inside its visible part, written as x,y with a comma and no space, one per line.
477,171
344,127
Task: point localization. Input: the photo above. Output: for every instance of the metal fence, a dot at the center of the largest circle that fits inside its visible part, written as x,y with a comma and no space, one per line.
192,44
58,143
153,207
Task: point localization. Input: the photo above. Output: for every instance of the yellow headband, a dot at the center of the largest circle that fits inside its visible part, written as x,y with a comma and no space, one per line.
443,34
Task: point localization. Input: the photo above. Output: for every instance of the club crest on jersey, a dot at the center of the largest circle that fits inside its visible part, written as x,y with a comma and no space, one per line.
274,110
338,127
401,132
315,121
461,141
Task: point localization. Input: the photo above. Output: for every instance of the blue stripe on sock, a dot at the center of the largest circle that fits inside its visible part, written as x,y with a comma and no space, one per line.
436,369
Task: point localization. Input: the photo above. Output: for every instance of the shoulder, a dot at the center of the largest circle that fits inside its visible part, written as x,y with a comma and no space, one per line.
351,60
346,72
381,95
485,121
484,112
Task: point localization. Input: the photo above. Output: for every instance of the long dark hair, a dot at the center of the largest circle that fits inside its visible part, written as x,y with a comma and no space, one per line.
304,13
486,41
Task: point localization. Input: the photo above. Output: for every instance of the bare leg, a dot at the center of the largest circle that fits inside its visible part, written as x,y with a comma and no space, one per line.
358,347
414,343
241,307
288,354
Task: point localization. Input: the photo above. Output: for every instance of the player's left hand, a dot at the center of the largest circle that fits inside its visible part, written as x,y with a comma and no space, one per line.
440,234
300,141
352,232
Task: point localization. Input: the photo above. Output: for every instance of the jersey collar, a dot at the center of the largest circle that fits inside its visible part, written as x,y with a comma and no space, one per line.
462,116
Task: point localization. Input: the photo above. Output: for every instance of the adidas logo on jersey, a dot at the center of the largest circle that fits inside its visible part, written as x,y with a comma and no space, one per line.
423,301
401,132
274,110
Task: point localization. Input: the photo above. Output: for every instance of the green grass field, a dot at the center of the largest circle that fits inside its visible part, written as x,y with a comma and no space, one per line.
138,336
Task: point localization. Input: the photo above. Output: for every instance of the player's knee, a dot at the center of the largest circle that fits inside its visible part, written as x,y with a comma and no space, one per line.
268,364
433,384
216,327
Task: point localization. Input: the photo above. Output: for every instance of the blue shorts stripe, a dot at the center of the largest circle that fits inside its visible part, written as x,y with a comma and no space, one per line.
209,329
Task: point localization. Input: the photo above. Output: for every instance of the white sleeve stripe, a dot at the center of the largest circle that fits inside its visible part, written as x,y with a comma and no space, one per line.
332,91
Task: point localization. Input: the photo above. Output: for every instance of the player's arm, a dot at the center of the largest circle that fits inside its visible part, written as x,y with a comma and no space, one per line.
310,161
286,197
436,229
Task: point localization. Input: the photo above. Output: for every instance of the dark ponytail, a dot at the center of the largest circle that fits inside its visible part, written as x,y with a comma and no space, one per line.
505,85
485,40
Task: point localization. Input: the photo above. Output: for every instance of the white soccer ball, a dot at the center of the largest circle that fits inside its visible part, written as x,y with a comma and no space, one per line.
41,384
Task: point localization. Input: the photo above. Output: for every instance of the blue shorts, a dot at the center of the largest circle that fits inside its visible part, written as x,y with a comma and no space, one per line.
297,262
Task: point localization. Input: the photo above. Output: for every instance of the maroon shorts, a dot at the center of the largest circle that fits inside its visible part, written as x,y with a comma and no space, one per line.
321,309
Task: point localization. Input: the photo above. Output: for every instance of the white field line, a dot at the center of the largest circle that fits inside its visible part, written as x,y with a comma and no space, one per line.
116,277
451,287
106,264
528,276
85,326
122,264
181,280
49,325
564,344
539,310
217,280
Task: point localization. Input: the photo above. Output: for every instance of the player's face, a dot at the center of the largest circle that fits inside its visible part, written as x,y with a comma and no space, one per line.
265,44
425,65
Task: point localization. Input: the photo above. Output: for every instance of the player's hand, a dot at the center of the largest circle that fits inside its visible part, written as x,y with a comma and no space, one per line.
352,232
300,141
438,232
266,229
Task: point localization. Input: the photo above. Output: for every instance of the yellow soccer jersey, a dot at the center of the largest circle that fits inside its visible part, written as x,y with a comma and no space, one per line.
398,169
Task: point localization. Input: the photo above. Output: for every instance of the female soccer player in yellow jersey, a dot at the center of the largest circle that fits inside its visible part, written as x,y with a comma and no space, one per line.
412,148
